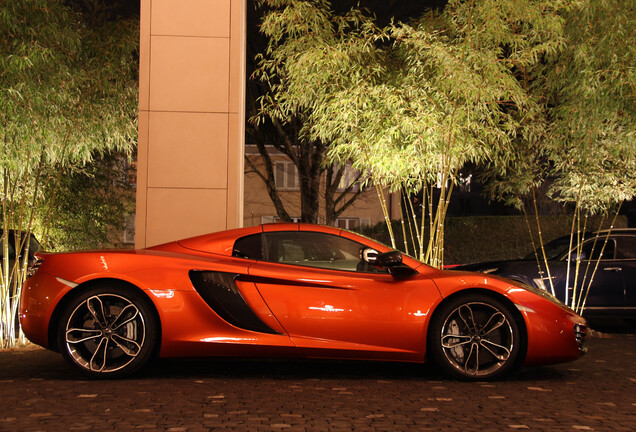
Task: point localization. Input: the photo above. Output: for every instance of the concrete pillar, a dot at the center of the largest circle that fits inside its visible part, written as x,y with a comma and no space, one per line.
191,119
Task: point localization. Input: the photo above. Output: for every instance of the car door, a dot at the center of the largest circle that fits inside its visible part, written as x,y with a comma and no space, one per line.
606,294
325,296
626,261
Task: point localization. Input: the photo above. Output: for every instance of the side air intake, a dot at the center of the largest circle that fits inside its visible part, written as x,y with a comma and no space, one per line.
220,292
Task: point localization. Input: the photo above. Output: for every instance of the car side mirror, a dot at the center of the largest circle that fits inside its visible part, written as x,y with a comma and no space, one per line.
389,259
582,256
392,261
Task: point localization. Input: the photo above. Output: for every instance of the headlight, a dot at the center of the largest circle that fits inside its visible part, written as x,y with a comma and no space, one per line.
541,291
539,282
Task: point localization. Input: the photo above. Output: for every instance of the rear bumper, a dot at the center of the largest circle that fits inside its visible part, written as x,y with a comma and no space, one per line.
40,293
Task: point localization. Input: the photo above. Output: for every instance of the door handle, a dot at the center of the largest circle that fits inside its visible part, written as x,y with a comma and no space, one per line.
613,269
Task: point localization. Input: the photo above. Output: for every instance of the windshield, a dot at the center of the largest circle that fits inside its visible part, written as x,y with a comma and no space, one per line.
553,249
380,242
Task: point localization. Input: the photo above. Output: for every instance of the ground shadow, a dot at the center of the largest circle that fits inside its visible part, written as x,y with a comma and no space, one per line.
38,364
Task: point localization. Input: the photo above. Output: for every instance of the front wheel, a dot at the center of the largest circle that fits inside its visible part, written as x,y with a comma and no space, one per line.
108,331
475,337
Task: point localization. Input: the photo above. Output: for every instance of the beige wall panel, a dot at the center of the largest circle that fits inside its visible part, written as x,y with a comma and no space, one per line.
191,131
189,150
180,213
144,55
237,57
142,180
189,74
191,17
235,171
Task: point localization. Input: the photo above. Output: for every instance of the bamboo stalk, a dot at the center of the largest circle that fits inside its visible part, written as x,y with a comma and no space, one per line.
534,247
406,245
579,248
431,234
601,255
411,219
545,258
583,290
385,212
4,310
422,223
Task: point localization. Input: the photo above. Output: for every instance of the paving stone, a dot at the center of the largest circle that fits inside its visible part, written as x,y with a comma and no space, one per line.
39,392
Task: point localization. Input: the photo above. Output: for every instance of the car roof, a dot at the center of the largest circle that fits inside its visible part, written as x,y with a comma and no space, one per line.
222,242
629,231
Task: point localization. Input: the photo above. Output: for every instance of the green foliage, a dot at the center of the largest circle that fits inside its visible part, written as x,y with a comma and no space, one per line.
584,156
592,89
92,205
277,128
60,82
67,95
410,105
540,93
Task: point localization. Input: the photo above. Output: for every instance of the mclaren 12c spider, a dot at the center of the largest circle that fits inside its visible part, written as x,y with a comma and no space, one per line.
288,290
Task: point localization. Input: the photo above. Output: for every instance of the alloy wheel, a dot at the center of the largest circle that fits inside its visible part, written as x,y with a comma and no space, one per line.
477,339
105,333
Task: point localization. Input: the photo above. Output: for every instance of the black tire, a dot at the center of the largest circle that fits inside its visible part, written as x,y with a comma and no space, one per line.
108,331
475,337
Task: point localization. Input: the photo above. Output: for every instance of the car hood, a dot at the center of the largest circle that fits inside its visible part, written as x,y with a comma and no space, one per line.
490,278
481,266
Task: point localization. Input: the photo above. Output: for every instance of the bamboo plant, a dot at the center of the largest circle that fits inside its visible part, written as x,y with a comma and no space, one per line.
67,95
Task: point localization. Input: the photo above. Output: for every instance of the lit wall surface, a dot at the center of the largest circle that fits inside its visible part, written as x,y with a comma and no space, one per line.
191,119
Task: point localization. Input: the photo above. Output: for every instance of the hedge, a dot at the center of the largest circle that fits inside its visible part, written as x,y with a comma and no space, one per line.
489,238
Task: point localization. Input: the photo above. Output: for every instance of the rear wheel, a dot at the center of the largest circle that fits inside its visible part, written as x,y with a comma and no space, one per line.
475,337
108,331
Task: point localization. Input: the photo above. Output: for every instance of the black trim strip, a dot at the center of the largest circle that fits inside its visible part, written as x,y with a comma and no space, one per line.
220,292
294,282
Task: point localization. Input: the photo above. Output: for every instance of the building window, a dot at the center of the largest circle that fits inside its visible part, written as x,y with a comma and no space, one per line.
349,176
129,229
286,176
464,182
276,219
348,223
267,219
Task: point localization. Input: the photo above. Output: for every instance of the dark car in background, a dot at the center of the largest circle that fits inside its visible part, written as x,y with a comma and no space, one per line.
18,243
34,246
613,290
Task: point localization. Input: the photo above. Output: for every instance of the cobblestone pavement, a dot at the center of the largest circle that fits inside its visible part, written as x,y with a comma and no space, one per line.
38,392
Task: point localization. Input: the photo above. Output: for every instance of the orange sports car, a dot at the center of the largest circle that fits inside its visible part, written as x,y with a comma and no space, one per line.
288,290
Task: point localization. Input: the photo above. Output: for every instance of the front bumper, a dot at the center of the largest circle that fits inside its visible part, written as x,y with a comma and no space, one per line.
555,332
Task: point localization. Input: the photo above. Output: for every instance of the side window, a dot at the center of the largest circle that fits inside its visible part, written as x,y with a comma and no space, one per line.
312,249
592,251
626,248
249,247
